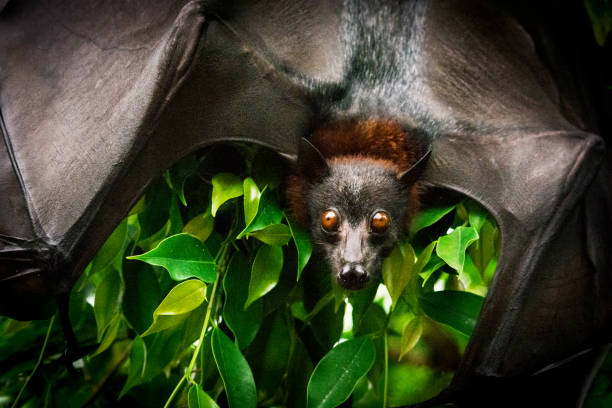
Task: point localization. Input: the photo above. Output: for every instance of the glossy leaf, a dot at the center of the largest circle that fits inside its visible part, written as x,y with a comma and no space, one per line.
179,173
184,256
112,248
235,372
136,371
411,335
476,215
107,303
459,310
301,237
244,323
483,249
398,270
268,355
225,187
142,295
275,234
434,263
336,375
451,248
155,214
182,299
110,334
429,216
424,257
251,200
198,398
268,213
424,383
200,226
265,272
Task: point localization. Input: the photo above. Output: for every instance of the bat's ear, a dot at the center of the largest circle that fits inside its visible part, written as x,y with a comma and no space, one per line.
310,161
410,176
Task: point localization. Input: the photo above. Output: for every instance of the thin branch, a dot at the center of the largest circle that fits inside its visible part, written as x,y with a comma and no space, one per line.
40,357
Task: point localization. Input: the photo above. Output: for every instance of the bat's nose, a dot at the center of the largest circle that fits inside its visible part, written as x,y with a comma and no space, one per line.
353,276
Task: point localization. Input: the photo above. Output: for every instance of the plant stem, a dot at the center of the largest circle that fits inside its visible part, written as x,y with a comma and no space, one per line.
386,389
40,357
204,329
175,391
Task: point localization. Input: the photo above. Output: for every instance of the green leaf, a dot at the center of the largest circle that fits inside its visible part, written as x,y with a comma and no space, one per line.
136,371
179,173
268,213
268,355
459,310
235,372
476,215
429,216
200,399
336,375
142,295
424,383
251,200
200,226
184,256
275,234
301,237
107,303
225,187
361,301
265,272
110,334
451,248
155,214
411,335
111,250
434,263
600,13
398,270
182,299
483,249
176,219
424,257
299,372
244,323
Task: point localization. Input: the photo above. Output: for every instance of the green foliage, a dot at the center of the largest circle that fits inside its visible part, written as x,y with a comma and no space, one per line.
220,302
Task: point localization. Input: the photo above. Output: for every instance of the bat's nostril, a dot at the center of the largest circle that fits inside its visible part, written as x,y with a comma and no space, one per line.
353,276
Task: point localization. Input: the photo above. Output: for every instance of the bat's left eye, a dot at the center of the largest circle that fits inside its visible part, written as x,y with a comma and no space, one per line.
380,222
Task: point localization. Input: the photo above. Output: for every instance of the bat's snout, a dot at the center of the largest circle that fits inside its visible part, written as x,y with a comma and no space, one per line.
353,276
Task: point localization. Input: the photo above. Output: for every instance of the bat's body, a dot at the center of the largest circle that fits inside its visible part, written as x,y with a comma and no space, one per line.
356,190
96,99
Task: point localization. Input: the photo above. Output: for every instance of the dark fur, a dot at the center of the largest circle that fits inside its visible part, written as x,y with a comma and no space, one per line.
365,161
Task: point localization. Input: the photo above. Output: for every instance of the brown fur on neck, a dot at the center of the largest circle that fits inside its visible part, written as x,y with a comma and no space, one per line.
382,141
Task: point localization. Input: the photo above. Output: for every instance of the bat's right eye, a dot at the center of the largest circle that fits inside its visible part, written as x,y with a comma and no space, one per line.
330,220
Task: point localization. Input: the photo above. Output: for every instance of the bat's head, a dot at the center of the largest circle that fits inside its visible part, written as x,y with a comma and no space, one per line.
357,209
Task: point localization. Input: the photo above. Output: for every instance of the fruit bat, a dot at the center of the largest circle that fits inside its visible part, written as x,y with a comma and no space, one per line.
97,99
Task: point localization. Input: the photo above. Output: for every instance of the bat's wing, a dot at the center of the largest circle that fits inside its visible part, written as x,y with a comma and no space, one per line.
96,100
520,150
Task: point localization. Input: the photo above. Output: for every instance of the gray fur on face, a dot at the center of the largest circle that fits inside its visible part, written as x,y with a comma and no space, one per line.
357,189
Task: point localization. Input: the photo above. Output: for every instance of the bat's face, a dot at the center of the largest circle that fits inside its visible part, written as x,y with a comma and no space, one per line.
357,213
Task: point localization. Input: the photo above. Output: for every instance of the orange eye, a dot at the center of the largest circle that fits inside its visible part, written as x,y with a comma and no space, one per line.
380,222
330,220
